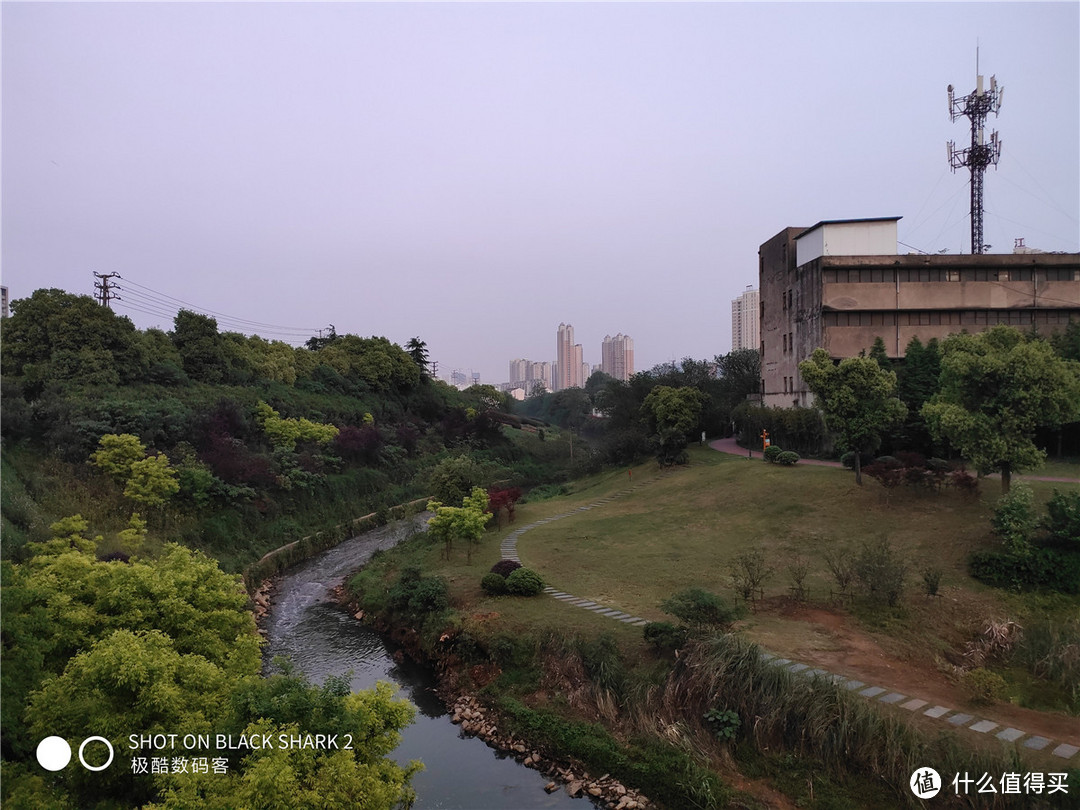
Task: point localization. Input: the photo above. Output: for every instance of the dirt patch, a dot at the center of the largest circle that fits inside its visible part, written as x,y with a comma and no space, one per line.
829,639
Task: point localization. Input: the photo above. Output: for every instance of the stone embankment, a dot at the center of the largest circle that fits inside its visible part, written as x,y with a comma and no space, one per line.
477,721
261,603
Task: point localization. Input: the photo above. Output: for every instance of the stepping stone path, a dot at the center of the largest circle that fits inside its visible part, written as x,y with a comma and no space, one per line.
881,693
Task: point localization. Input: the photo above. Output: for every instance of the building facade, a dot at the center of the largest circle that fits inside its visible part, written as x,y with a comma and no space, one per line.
841,283
617,356
745,321
525,374
568,359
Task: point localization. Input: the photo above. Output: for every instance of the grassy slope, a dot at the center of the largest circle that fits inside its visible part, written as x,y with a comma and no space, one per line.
684,529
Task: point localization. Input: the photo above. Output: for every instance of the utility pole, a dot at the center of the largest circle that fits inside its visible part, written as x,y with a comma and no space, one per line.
105,288
976,106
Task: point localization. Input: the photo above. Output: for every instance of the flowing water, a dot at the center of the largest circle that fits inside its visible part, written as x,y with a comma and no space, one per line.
322,639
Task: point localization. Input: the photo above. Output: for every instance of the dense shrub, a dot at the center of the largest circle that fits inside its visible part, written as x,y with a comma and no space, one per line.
848,460
417,596
983,686
697,607
524,582
665,636
772,453
493,584
1014,519
1043,568
787,458
1063,518
505,567
881,572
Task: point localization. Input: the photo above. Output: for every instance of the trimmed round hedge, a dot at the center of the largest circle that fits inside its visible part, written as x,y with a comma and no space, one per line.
524,582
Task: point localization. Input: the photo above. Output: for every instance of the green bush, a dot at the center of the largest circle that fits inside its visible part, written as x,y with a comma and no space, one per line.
665,636
1063,518
493,584
787,458
772,453
524,582
881,572
1014,519
931,578
698,607
724,723
983,686
848,460
1045,568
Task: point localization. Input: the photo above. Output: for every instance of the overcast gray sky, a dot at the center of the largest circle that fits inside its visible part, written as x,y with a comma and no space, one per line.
475,174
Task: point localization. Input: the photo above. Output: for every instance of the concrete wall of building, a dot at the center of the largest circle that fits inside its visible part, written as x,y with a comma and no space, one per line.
786,319
867,238
896,298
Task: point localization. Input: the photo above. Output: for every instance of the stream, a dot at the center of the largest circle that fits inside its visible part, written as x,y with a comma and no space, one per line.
322,639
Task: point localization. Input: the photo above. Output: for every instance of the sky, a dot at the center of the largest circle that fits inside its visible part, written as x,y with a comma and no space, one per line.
476,174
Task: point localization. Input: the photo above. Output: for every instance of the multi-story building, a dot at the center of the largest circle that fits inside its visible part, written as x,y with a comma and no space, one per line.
841,283
569,359
745,323
525,374
3,302
617,356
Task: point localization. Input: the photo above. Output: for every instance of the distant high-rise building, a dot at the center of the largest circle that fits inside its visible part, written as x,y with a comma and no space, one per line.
3,302
459,379
569,359
745,321
519,370
526,374
617,356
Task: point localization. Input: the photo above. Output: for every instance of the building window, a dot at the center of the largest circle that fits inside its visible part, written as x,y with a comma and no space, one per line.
1062,274
785,344
952,275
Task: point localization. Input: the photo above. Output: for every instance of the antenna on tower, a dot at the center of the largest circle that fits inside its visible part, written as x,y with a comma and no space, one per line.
976,106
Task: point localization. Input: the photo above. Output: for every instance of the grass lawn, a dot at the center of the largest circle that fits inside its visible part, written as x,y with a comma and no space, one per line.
686,527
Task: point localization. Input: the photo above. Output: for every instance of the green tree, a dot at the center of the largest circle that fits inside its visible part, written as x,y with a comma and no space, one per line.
857,399
116,454
152,481
200,346
879,354
452,479
465,523
672,413
56,336
417,350
996,389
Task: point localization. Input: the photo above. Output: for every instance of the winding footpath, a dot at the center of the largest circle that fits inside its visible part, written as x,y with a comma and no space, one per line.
882,694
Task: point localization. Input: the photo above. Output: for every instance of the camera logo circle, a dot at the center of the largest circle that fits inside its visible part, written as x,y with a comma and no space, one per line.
53,753
925,783
86,764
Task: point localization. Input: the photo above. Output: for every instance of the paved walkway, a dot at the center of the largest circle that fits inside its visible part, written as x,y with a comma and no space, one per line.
732,447
882,694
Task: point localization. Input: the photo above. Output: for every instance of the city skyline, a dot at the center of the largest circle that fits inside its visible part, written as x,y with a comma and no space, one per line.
471,174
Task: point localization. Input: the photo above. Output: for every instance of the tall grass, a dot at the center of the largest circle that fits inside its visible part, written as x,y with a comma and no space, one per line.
1051,650
809,715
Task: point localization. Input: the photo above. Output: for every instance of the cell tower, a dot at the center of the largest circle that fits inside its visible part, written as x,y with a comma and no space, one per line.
976,106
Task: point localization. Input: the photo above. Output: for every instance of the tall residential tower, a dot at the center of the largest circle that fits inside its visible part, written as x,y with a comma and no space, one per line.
745,321
568,360
617,356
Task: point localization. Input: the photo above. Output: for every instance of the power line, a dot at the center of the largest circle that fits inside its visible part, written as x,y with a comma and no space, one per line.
149,301
203,310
